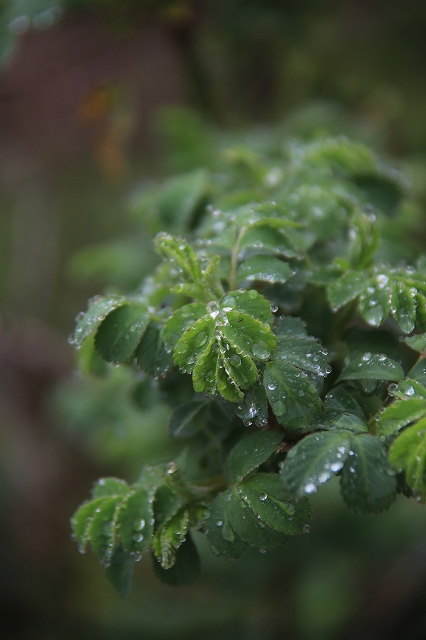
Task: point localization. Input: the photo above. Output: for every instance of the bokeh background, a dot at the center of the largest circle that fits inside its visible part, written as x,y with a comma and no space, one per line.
97,99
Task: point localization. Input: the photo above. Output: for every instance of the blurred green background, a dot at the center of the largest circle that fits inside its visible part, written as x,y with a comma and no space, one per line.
97,99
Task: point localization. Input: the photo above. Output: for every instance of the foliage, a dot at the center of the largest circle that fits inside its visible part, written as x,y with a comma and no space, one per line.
286,339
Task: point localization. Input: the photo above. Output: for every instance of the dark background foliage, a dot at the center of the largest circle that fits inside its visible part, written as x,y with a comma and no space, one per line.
82,126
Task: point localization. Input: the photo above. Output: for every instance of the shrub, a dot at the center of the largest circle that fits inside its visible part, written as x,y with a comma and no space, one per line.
285,327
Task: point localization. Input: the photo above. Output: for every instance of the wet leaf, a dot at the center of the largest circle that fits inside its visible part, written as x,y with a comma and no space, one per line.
264,268
418,372
251,451
337,420
346,288
313,461
188,419
404,306
254,406
120,333
408,454
400,414
267,498
185,569
293,398
106,487
222,538
151,353
135,521
101,531
250,528
221,346
120,570
368,481
373,367
98,310
417,342
170,537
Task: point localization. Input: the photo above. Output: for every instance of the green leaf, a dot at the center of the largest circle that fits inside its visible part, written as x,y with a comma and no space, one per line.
166,505
180,255
368,481
374,303
346,288
151,354
408,454
364,239
418,372
277,223
222,538
400,414
186,567
180,321
101,531
264,268
417,342
219,349
313,461
373,367
293,398
151,477
267,498
404,306
80,522
177,482
121,331
343,401
98,310
189,419
287,326
262,236
248,302
106,487
337,420
120,570
88,359
249,528
254,406
407,389
251,451
342,155
303,353
170,537
135,521
211,276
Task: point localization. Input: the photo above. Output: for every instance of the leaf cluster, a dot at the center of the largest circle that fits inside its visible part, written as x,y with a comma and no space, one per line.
288,345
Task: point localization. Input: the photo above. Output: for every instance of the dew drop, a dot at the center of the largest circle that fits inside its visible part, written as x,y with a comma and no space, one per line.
323,477
310,488
235,360
260,350
263,497
138,524
137,537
